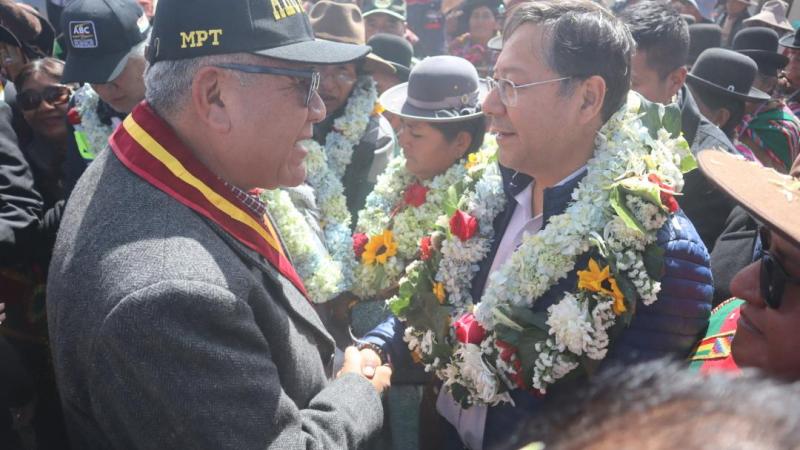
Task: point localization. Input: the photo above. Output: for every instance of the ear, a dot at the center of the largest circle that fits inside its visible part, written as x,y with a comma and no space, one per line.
591,92
207,99
676,79
461,143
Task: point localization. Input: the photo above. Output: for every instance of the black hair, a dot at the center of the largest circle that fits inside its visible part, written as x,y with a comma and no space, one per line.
715,101
585,40
662,404
49,66
475,127
660,31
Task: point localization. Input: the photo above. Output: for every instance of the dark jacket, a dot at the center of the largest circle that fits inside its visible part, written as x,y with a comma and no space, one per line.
702,202
737,25
370,158
669,327
20,204
735,249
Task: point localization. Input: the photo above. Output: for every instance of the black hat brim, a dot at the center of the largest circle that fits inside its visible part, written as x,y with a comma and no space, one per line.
317,51
394,101
755,95
766,59
788,41
93,68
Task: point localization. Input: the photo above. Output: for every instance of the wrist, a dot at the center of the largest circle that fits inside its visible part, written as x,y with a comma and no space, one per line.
375,348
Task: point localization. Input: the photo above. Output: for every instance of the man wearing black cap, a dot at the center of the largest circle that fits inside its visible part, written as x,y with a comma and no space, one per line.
106,41
176,317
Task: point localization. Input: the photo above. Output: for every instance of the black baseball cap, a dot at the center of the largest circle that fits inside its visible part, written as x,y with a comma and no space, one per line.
100,35
277,29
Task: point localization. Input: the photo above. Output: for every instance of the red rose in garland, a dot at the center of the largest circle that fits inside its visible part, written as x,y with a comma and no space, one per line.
415,195
506,352
73,116
469,330
359,243
425,248
463,225
667,199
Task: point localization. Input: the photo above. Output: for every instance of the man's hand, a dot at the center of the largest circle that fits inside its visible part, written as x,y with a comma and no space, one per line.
362,362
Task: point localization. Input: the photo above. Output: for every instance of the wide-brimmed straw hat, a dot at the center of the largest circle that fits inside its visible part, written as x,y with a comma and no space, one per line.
439,89
771,197
728,73
773,13
343,23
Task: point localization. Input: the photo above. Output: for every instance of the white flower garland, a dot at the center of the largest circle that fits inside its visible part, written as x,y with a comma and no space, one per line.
326,166
321,274
95,131
408,224
617,210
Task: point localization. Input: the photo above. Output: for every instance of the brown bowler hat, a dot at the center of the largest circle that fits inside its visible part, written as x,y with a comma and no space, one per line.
771,197
342,22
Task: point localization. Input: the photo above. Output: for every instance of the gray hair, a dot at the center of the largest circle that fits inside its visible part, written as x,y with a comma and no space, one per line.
168,84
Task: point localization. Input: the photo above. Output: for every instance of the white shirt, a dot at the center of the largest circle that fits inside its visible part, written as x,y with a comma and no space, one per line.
471,423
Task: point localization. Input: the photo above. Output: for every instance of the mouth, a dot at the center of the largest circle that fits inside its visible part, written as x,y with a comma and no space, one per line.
745,323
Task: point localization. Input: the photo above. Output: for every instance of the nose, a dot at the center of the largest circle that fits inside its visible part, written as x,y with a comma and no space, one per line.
492,105
747,285
316,108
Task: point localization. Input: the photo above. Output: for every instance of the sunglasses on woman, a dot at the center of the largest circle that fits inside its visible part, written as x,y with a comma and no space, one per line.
54,95
773,277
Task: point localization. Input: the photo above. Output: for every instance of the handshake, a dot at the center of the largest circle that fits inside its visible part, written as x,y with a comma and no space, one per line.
368,364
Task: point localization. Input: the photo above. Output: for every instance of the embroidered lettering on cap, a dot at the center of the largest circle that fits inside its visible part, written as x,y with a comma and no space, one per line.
82,34
282,9
199,38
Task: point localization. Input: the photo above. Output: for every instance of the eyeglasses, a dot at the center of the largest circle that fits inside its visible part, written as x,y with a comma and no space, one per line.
773,275
57,94
312,75
508,90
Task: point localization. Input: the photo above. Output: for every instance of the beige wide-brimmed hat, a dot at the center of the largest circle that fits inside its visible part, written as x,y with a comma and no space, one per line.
771,197
773,13
343,22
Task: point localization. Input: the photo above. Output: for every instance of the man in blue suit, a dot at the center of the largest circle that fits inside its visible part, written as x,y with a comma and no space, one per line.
563,72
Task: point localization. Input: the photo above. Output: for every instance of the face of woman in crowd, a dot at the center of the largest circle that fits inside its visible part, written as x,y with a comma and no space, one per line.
482,24
792,69
427,151
766,337
48,118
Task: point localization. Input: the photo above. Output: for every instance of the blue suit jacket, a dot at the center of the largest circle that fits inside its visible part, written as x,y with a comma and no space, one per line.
669,327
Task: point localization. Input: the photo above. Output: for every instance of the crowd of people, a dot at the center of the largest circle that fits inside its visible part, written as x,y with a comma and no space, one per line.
399,224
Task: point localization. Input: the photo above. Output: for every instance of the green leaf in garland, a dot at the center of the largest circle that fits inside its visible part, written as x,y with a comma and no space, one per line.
616,200
631,296
526,317
526,350
507,334
671,121
461,395
654,261
451,201
688,163
427,313
651,116
399,305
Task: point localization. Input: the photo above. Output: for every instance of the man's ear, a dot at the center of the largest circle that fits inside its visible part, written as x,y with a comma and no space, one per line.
208,99
676,80
592,92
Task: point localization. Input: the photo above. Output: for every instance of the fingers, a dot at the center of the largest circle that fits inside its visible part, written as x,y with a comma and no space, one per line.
369,361
352,361
382,378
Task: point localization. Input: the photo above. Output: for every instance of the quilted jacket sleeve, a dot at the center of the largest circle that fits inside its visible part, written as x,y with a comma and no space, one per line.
671,325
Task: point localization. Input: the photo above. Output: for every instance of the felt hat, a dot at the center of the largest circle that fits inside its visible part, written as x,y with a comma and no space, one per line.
791,40
728,73
394,8
396,50
703,36
773,13
761,44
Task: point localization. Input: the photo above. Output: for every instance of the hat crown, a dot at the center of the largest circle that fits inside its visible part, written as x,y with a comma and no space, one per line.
726,69
436,81
396,6
392,48
339,22
756,38
103,26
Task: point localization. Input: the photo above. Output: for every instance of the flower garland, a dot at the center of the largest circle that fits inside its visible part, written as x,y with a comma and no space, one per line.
321,274
406,209
90,133
326,166
614,217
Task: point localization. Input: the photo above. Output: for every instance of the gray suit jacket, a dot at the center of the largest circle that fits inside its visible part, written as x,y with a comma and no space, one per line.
167,333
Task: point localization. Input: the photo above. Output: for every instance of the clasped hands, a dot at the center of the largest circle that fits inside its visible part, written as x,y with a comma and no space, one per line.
368,364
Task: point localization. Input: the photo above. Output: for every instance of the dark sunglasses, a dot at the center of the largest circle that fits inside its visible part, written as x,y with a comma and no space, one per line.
312,76
54,95
773,276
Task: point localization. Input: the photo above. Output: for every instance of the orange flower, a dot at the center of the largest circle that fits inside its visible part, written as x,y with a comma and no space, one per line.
600,281
379,248
439,292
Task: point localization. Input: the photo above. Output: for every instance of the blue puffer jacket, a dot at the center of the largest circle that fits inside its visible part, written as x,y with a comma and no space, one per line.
668,327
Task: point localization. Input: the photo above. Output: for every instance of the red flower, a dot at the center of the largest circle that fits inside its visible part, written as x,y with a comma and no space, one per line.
425,248
667,199
463,225
359,242
415,195
506,352
469,330
73,117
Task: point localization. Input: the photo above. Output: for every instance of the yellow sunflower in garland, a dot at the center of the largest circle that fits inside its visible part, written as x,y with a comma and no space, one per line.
379,248
601,281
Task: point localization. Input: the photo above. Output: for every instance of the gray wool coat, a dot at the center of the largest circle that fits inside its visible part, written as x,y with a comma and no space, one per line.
168,333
